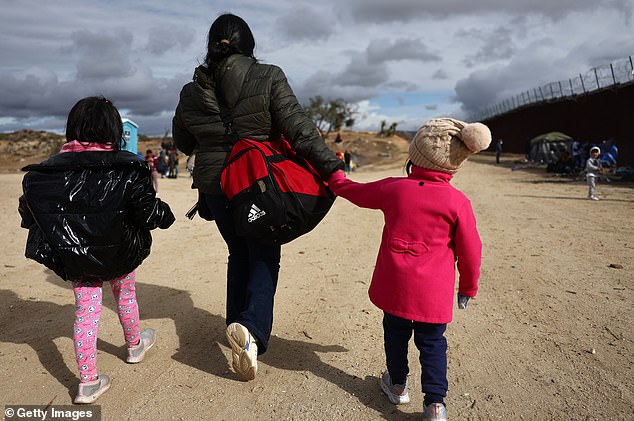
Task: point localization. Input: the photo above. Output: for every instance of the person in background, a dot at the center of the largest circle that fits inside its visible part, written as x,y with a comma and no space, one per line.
152,161
89,210
429,225
347,159
498,150
172,160
593,171
564,165
257,103
161,165
577,156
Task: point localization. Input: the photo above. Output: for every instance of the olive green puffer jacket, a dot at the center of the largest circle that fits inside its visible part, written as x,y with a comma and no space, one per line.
262,106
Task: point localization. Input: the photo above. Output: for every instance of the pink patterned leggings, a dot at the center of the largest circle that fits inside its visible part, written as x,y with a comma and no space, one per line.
87,313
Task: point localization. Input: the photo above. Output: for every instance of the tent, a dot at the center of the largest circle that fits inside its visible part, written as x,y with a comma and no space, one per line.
548,147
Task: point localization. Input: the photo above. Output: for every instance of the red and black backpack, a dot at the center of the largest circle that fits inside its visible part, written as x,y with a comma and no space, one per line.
274,194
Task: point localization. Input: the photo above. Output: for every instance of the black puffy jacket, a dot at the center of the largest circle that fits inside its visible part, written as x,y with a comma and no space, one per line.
89,214
262,106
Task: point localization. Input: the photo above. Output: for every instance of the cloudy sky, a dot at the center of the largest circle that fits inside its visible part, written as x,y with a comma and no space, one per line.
400,60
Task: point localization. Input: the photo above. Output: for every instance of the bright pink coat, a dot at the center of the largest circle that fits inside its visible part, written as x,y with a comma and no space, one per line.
429,224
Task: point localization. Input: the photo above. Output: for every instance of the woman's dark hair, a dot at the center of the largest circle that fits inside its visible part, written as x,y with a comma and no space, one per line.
95,119
228,35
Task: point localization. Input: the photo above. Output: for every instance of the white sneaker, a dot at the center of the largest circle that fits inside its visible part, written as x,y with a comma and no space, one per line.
593,198
146,341
89,392
244,351
397,393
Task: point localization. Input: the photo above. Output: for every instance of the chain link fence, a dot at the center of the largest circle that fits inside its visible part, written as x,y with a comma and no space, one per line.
615,73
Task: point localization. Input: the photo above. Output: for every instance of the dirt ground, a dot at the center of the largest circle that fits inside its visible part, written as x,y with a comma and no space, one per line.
549,336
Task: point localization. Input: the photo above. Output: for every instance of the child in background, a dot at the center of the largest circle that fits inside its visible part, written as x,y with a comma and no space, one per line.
89,210
593,171
429,225
153,163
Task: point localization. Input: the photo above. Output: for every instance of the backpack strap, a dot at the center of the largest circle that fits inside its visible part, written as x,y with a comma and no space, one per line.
225,103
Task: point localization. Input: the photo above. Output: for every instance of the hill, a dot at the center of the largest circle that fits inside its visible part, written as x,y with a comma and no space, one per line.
369,150
27,146
24,147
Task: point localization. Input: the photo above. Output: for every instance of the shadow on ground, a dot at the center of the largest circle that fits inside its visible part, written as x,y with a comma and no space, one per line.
199,332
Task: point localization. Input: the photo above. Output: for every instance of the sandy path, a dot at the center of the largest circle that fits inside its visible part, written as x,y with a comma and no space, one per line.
520,352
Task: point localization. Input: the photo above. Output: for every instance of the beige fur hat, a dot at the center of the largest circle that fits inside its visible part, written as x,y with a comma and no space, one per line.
443,144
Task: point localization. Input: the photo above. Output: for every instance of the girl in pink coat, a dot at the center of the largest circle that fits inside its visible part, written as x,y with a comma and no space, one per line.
429,227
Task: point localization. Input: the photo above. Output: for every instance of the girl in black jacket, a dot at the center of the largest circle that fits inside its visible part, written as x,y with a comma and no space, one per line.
89,211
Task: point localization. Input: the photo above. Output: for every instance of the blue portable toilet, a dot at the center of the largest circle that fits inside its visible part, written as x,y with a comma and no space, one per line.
130,135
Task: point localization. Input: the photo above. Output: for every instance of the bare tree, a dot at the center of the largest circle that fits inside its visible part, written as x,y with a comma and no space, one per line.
331,115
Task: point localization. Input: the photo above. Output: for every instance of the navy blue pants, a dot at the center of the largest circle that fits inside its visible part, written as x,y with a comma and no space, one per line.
431,343
252,274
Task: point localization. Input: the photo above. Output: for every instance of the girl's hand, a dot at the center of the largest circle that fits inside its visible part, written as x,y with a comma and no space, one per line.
336,175
463,301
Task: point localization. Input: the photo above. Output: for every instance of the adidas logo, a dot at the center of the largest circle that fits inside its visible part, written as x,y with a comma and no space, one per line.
255,213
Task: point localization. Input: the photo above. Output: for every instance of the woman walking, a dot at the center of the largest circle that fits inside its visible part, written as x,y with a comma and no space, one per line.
261,106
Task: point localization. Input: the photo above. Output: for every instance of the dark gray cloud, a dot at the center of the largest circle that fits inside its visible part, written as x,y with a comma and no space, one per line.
412,10
360,72
305,23
401,86
535,66
529,68
104,66
331,85
602,51
164,39
495,45
625,7
102,56
479,90
367,72
54,54
440,74
35,98
37,94
382,50
54,124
